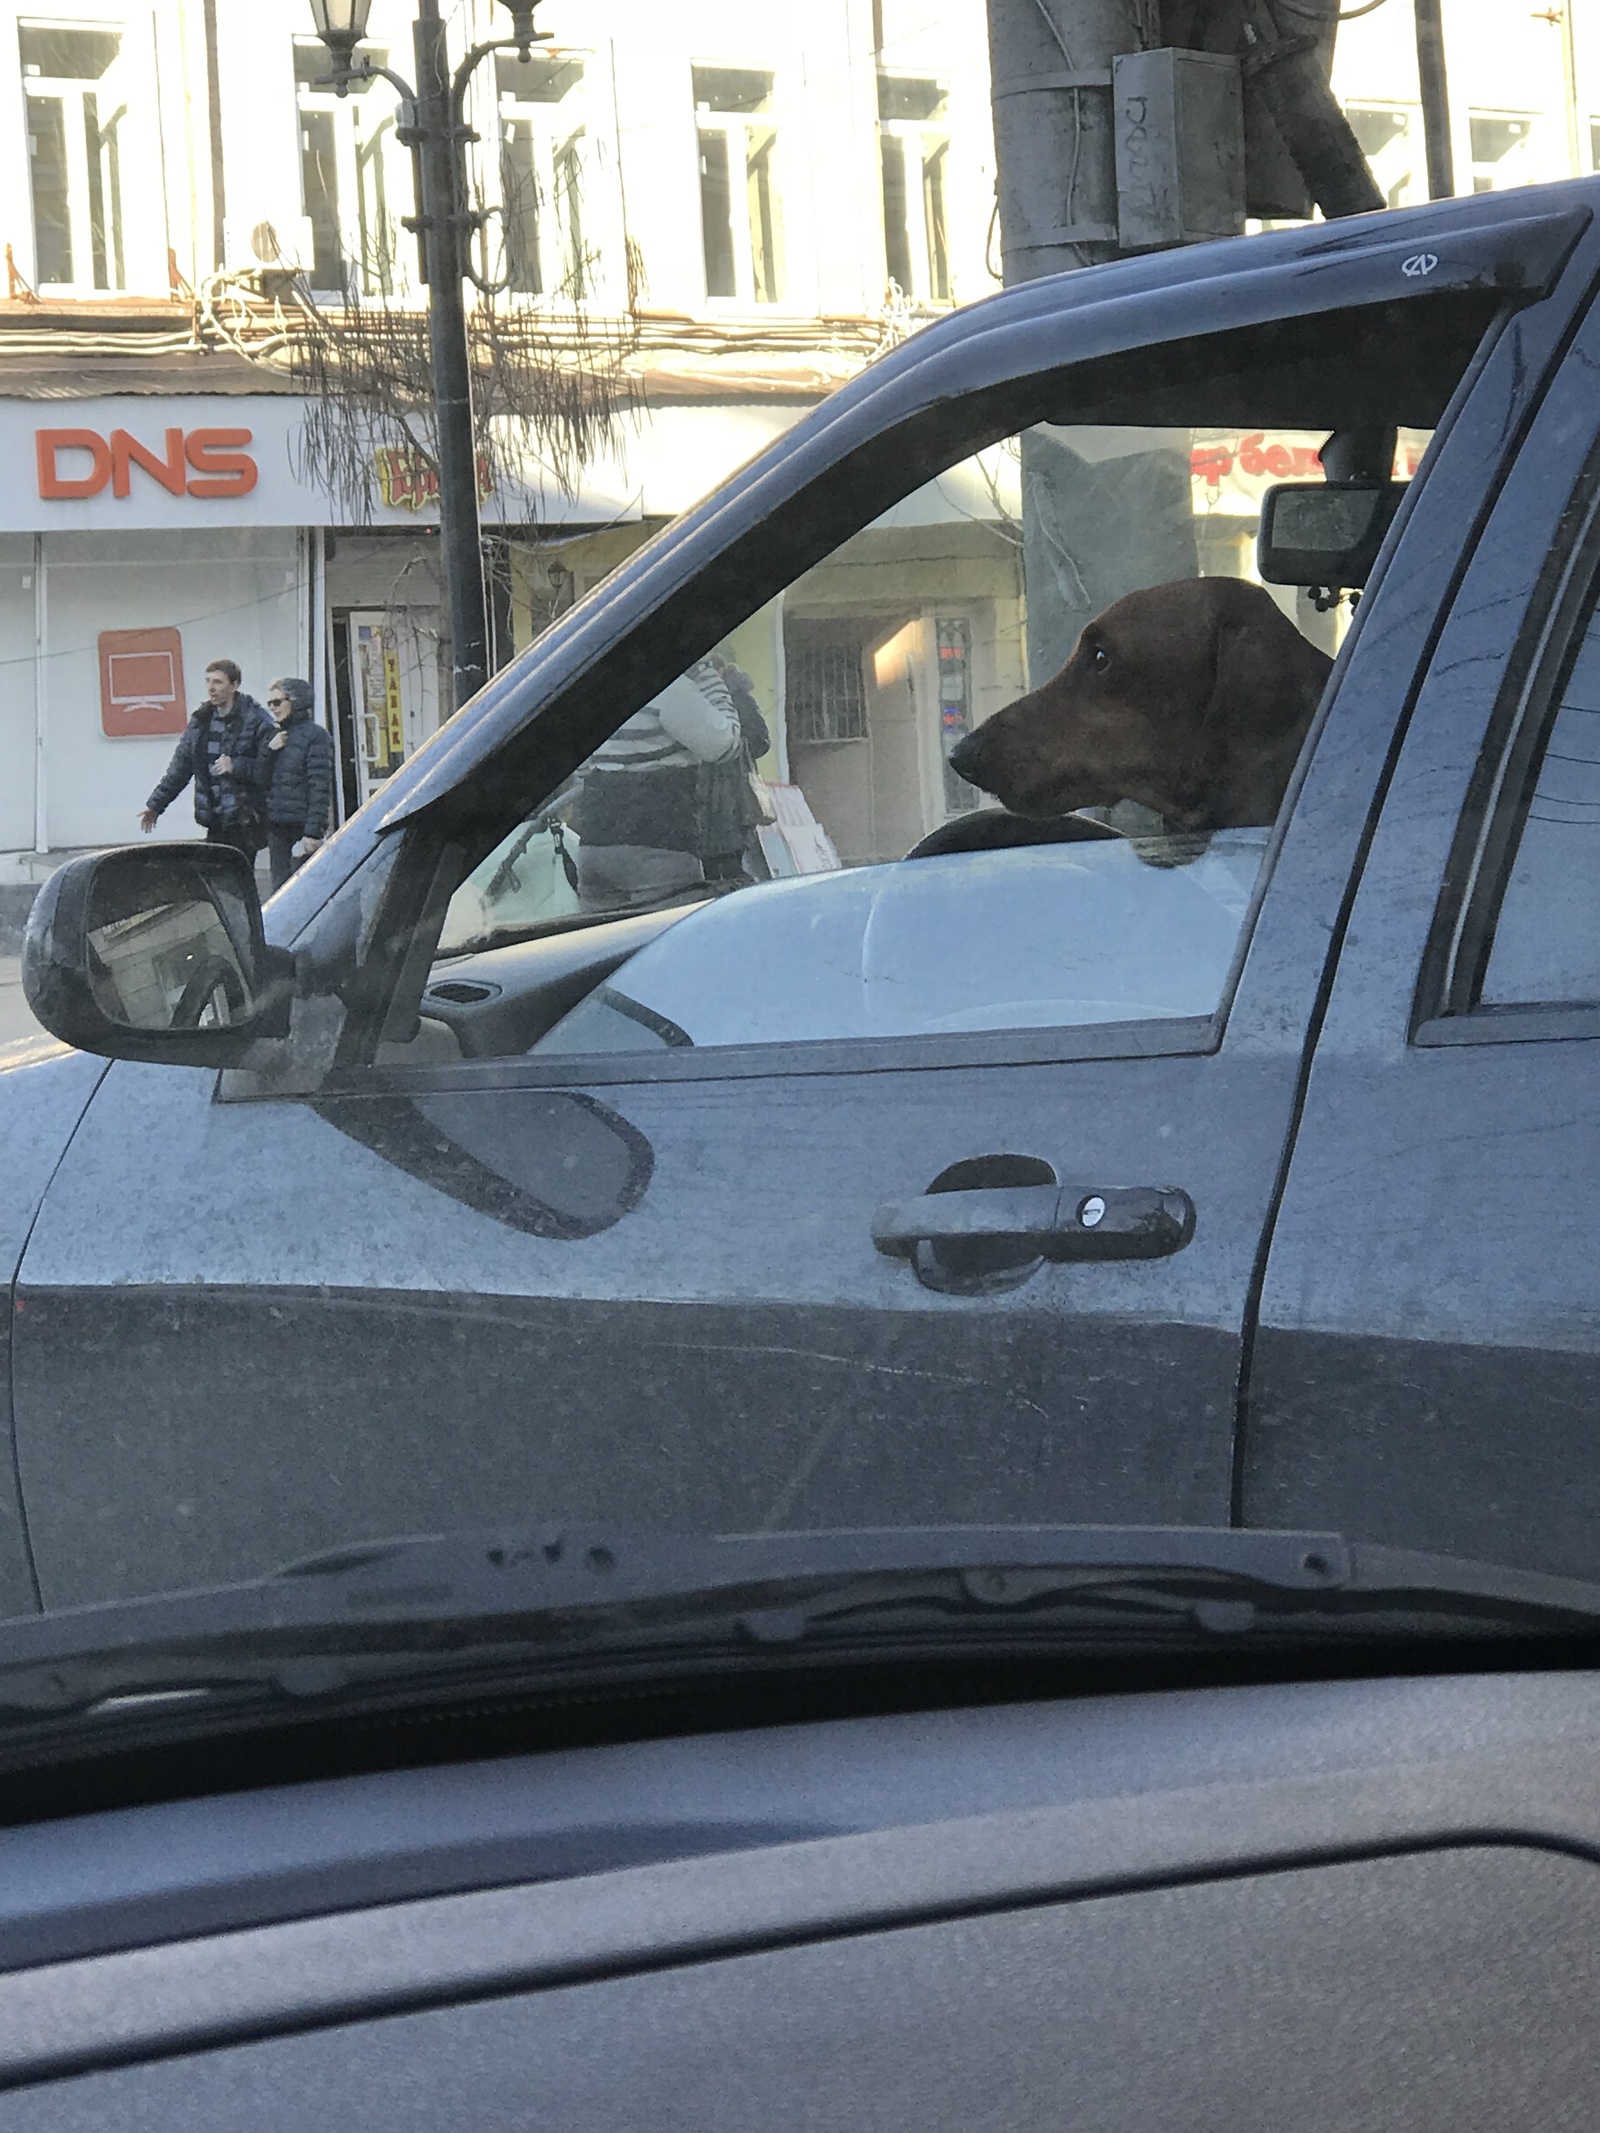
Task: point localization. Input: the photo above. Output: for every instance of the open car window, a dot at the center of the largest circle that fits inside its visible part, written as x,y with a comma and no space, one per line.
1010,655
1047,936
1007,758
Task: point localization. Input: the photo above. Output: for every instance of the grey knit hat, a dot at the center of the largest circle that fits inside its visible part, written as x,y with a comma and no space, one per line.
299,693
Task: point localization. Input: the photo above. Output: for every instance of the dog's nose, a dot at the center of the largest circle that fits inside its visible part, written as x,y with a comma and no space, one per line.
964,757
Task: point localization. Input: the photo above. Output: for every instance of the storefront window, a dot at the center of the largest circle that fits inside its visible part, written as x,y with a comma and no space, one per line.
19,620
103,607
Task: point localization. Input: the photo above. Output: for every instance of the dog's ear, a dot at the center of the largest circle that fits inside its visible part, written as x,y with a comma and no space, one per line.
1265,683
1260,665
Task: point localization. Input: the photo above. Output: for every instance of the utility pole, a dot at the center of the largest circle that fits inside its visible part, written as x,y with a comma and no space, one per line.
1050,64
1435,99
1055,69
433,125
1248,124
1052,73
440,215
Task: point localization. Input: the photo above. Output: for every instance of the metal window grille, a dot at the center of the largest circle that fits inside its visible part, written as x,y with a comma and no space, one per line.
825,693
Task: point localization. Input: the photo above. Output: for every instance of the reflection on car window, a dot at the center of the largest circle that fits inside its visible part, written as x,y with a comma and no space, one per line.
1047,936
1546,944
529,881
1055,646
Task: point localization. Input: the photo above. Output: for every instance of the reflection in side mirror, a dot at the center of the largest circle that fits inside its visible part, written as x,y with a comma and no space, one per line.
155,952
1324,534
165,965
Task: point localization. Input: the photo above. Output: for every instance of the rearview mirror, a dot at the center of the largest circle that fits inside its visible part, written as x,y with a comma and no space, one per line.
156,952
1324,534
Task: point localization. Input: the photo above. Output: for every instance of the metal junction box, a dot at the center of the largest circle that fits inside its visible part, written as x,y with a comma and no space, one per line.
1180,148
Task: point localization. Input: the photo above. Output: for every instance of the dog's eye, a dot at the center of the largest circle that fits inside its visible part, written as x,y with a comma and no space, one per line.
1099,659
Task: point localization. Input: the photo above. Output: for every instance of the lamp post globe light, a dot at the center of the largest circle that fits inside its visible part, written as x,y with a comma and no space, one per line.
341,24
432,124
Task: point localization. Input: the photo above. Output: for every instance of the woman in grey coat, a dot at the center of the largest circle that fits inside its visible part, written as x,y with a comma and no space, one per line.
298,763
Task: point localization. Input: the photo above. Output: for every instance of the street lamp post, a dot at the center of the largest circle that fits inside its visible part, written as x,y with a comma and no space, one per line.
433,125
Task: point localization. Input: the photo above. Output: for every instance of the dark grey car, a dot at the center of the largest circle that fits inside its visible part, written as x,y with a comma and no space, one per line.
455,1217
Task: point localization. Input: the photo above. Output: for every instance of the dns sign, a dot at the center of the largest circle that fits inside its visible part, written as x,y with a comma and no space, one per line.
200,463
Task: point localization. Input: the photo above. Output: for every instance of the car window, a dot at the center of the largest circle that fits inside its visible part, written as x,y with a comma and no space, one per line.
988,765
1046,936
1546,941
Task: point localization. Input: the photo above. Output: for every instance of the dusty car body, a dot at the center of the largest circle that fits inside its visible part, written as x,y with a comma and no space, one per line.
362,1271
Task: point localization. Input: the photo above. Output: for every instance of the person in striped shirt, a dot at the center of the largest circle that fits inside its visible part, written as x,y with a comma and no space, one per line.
638,812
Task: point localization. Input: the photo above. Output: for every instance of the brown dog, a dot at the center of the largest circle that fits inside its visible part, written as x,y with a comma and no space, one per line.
1192,698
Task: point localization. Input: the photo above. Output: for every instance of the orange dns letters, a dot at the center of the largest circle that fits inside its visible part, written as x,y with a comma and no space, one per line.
78,463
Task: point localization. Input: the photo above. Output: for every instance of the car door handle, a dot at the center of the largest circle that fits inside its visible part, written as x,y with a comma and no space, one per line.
1051,1221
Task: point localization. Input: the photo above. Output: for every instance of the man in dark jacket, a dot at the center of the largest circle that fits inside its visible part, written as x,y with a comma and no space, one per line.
221,749
298,767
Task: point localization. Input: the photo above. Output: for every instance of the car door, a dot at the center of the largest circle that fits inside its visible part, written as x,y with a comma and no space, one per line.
1425,1366
646,1281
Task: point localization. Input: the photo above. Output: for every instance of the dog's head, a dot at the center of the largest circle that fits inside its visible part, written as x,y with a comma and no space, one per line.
1192,698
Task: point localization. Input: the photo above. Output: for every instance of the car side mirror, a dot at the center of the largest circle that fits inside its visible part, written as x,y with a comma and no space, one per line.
1324,534
156,952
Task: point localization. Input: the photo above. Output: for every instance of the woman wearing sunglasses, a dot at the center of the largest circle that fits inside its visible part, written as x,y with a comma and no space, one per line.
298,760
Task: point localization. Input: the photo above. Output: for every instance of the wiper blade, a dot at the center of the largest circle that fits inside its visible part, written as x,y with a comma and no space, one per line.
559,1602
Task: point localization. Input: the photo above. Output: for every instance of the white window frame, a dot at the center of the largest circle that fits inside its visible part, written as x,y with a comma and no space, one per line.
363,133
72,92
922,141
738,128
1486,175
569,264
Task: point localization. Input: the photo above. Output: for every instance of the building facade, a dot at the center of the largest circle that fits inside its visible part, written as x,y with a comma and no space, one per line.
745,203
174,180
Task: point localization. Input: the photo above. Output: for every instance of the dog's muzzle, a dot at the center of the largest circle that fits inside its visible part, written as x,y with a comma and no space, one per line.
966,759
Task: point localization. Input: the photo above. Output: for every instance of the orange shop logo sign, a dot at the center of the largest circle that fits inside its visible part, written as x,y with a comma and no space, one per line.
141,682
202,463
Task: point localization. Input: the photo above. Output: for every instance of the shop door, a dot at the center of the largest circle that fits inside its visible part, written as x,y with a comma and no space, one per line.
384,651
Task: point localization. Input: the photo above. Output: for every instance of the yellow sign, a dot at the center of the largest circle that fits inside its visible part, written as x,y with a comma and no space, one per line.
408,483
391,701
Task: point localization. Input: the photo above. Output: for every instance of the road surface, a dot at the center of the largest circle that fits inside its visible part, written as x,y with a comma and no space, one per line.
15,1020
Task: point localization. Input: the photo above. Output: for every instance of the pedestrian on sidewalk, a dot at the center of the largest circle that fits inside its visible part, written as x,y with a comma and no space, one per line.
298,767
220,749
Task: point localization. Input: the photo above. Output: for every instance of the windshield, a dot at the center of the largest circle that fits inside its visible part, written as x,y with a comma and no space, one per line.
917,965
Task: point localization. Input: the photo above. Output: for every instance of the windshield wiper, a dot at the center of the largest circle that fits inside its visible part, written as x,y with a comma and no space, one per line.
559,1604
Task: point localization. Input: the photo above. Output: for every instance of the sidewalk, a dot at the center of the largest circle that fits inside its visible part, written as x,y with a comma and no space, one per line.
15,1020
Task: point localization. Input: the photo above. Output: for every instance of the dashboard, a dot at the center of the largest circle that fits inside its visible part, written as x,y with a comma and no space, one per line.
1354,1904
503,1000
